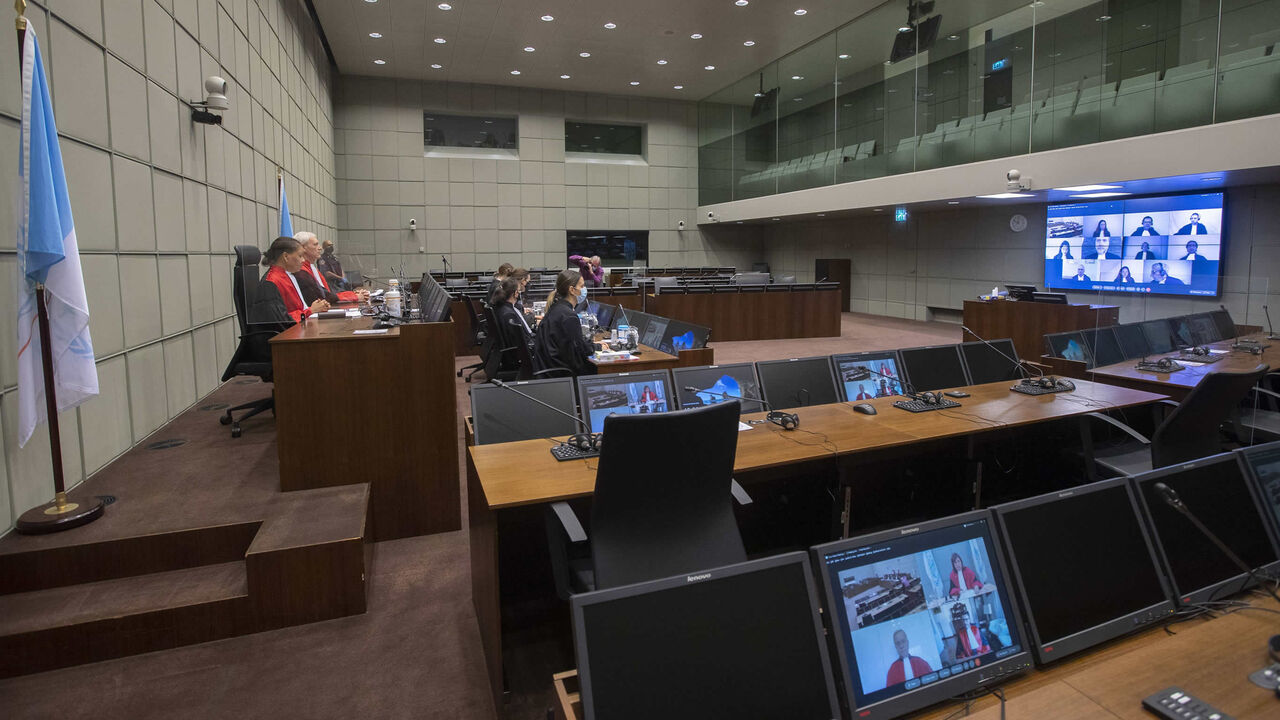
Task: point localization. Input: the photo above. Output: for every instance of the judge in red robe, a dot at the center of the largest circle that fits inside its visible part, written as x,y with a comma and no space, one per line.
311,281
907,666
962,577
969,640
279,298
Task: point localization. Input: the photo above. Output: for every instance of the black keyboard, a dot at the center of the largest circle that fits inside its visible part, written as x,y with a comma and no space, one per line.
919,406
1037,390
569,452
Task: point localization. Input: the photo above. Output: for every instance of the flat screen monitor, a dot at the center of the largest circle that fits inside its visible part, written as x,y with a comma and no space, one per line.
604,315
1132,340
918,38
1203,329
1021,292
797,382
1226,326
1180,327
679,335
1082,585
743,641
885,380
717,383
920,614
996,362
934,368
1164,245
1215,489
433,300
500,415
1262,463
1159,336
1103,346
620,248
623,394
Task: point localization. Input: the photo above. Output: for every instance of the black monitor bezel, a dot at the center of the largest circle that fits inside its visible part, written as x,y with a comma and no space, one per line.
522,386
1217,316
868,355
943,689
779,406
1048,650
1238,579
583,381
756,405
1271,515
1088,354
1092,347
996,341
906,372
1146,348
578,602
1208,317
1173,345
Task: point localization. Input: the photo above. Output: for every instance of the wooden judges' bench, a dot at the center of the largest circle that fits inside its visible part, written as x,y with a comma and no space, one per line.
754,312
1026,323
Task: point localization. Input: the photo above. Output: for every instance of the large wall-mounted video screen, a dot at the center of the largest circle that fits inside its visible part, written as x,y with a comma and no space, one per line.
1166,245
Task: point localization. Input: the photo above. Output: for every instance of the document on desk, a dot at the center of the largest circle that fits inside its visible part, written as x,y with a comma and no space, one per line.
742,427
353,312
377,331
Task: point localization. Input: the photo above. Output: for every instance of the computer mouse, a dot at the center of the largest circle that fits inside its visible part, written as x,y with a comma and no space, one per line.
865,409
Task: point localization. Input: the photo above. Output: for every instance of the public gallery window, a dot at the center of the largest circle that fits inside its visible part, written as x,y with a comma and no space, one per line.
606,138
482,132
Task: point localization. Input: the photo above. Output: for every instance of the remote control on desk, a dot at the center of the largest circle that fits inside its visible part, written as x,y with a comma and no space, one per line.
1175,704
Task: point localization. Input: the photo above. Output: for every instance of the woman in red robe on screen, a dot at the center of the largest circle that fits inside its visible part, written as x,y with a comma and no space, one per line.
962,578
278,293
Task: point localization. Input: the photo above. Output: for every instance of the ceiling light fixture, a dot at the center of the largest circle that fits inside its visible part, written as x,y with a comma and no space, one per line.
610,26
635,82
709,67
739,3
678,87
515,72
584,54
371,1
564,77
1089,188
375,36
662,62
822,214
1100,194
436,66
1005,195
904,28
1103,18
953,202
379,61
547,18
696,36
844,56
797,77
440,41
801,11
529,49
749,43
445,6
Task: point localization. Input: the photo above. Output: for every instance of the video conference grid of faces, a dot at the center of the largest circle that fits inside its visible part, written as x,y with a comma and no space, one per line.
1164,245
874,386
920,610
624,398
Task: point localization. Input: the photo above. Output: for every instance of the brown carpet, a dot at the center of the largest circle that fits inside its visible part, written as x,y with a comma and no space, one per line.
415,653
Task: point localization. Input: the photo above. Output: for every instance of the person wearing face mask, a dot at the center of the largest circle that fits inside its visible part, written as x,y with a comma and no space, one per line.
279,298
558,342
311,281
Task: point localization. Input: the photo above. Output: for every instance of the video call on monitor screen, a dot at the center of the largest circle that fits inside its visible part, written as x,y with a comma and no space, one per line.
1169,245
627,395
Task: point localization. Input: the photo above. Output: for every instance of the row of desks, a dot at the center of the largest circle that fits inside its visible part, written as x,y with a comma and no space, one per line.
510,477
1178,384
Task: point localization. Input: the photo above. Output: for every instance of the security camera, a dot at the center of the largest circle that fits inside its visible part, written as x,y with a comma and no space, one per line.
1013,176
413,224
1015,181
711,215
680,225
206,112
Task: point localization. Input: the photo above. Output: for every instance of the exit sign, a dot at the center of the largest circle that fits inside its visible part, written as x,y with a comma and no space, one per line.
900,214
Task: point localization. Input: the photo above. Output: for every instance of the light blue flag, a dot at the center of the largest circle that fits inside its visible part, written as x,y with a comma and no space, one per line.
48,255
286,222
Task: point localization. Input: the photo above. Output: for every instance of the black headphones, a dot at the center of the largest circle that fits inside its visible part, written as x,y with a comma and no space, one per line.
585,442
1199,350
784,420
929,398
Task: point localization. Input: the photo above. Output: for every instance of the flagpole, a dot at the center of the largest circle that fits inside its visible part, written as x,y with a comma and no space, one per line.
61,513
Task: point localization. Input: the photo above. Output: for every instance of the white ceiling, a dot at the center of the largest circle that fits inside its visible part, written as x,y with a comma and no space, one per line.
485,40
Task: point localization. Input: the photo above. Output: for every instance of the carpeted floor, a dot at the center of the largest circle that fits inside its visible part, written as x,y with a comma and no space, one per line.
415,653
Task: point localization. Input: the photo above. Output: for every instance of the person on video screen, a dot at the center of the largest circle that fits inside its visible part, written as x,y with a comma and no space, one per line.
1160,276
863,394
907,666
1064,252
1193,252
1080,276
1145,253
1124,277
1101,230
1194,227
969,639
1148,227
1102,249
648,395
962,577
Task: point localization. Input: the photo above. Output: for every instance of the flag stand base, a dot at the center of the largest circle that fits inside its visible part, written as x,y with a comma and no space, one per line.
59,514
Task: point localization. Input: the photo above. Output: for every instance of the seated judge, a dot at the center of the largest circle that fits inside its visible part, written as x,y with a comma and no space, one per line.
863,394
331,267
1064,252
1102,249
312,281
1101,230
502,301
1160,276
907,666
1124,276
1193,252
1147,227
279,297
1145,253
1194,227
558,342
962,577
1080,276
969,639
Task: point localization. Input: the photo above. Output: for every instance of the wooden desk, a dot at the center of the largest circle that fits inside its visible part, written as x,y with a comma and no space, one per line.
754,315
1026,323
1177,385
396,426
509,476
650,358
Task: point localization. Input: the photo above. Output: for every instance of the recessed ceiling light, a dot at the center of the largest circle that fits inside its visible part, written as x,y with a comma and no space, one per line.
822,214
904,28
1100,194
678,87
375,36
696,36
1089,188
564,77
635,82
844,56
529,49
662,62
610,26
584,54
515,72
953,202
879,209
436,66
440,41
1103,18
709,67
445,6
547,18
371,1
740,3
1005,195
801,11
379,61
775,218
797,77
1038,3
797,99
1144,26
749,43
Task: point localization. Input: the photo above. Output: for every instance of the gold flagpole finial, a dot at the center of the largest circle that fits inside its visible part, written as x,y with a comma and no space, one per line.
20,6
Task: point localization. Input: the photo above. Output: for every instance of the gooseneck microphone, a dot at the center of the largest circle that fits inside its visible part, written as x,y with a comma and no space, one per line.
1021,368
1271,331
446,263
784,420
587,442
1170,497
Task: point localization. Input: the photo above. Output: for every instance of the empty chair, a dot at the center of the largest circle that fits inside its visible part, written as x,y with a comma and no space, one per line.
253,353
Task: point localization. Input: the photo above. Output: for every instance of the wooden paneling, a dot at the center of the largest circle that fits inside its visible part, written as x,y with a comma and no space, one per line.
1026,323
754,315
398,431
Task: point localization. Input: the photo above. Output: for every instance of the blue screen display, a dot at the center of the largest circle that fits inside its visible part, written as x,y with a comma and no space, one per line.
602,399
1170,245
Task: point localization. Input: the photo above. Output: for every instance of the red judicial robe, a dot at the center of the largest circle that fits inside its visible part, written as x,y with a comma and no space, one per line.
896,675
293,304
344,296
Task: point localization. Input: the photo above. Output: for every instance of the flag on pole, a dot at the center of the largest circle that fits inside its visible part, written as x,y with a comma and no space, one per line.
286,222
48,255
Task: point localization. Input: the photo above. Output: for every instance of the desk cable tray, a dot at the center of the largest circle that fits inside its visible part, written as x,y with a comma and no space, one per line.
1206,359
919,406
569,452
1037,390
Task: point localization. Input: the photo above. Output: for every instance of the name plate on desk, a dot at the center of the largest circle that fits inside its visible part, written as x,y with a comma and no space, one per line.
377,331
609,356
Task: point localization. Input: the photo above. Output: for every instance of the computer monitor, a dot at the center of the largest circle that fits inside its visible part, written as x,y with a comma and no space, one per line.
1182,335
433,300
1203,329
1021,292
934,368
1132,340
604,315
624,394
1226,326
680,335
743,641
797,382
872,385
1082,584
991,364
920,614
1069,346
734,381
500,415
1262,464
652,332
1103,346
1159,336
1215,489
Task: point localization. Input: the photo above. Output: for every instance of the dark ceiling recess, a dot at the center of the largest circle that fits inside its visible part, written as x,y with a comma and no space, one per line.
324,41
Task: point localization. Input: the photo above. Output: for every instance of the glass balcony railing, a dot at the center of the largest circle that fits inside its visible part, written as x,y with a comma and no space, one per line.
1000,78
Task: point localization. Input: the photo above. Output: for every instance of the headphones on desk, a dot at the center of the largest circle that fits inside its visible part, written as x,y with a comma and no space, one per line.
784,420
1198,350
585,442
929,398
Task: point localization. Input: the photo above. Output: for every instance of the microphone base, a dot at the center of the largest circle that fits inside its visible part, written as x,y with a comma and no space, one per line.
1267,678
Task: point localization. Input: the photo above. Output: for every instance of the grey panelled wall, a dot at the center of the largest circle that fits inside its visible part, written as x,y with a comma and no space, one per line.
482,212
159,201
937,260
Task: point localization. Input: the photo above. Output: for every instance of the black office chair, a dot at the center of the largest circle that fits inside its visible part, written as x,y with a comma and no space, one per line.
1260,418
501,361
1191,431
480,338
253,354
651,522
